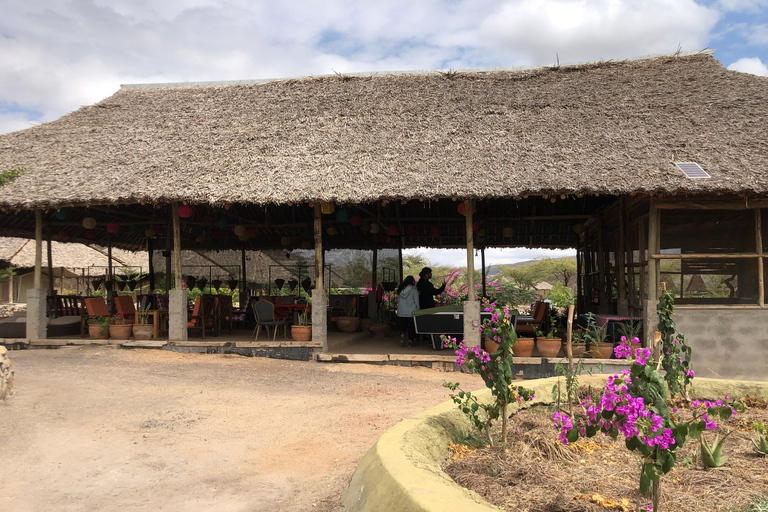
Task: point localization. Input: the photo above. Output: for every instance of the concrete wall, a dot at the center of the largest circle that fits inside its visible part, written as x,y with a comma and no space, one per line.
728,343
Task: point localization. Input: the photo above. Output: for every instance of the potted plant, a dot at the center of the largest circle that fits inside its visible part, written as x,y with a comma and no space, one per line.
549,345
599,348
118,329
349,322
578,343
302,329
98,327
365,323
381,324
143,330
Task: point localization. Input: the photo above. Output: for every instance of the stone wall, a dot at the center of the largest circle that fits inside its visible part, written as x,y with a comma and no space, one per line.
6,374
728,343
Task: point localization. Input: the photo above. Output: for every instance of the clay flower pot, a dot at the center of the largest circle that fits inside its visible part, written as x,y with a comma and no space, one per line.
93,331
523,347
120,331
548,347
348,323
301,332
578,350
601,350
143,331
379,329
365,325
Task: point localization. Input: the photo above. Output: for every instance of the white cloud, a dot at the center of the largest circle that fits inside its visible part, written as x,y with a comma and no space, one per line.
742,5
751,65
758,35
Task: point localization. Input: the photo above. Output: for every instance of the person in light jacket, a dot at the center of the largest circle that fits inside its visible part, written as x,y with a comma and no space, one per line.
407,303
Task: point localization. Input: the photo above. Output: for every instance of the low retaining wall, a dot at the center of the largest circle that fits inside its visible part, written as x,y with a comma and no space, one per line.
403,469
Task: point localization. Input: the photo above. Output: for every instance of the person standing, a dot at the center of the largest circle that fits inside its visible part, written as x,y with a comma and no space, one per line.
407,303
427,290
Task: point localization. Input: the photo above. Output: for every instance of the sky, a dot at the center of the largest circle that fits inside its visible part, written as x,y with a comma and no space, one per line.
58,55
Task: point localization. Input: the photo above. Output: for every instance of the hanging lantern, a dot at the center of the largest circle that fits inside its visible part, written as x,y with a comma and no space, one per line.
292,284
366,226
239,231
327,208
250,233
476,225
150,233
356,220
62,213
296,240
63,235
217,283
435,231
332,231
242,238
279,283
392,231
462,208
578,228
232,283
342,215
113,227
481,232
222,223
191,281
196,231
201,283
375,228
89,223
90,234
508,232
185,211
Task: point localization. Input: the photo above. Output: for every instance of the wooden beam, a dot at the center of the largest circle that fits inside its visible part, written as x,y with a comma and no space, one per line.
704,256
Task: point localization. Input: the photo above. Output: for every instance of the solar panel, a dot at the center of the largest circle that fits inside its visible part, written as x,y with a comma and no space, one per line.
692,170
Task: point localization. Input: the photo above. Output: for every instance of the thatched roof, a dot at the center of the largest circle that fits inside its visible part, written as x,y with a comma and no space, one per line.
228,263
20,252
609,128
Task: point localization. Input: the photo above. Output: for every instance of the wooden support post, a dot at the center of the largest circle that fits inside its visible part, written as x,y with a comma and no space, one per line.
569,353
177,314
760,262
151,255
482,268
602,261
110,274
244,284
373,306
319,306
580,306
400,261
50,264
650,317
621,279
38,249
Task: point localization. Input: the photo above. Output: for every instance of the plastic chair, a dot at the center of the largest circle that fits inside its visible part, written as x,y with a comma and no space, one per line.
264,311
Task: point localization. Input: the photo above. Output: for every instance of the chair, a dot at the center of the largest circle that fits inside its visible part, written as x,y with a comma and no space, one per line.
203,314
242,316
536,322
264,311
223,313
125,307
94,306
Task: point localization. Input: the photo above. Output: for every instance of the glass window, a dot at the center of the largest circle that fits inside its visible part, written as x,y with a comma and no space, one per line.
707,231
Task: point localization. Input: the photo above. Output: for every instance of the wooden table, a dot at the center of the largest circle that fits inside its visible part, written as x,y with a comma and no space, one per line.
157,316
283,310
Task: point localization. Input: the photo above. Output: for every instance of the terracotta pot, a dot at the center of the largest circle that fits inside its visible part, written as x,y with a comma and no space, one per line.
143,331
301,332
601,351
120,331
365,325
523,347
549,347
379,329
348,323
93,330
577,349
490,346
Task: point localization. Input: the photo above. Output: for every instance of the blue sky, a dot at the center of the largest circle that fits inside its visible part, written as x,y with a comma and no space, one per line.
57,55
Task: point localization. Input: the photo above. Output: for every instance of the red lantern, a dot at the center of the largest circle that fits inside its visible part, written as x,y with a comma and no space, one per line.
392,231
250,233
462,208
435,231
113,227
476,225
356,220
185,211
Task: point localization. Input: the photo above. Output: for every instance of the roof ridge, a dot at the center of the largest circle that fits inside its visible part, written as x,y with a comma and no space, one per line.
256,81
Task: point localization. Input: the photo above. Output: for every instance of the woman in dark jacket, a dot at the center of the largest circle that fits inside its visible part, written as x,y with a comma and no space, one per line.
427,290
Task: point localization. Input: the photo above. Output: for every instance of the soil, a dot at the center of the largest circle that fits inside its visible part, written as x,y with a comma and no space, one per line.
538,474
98,428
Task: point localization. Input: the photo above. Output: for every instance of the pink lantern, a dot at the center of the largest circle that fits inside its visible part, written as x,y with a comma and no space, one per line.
113,227
185,211
462,208
392,231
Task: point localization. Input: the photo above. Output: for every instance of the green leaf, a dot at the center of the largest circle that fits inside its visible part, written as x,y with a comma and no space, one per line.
572,436
652,471
645,483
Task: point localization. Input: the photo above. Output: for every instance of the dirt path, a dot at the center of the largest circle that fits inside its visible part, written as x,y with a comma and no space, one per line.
95,428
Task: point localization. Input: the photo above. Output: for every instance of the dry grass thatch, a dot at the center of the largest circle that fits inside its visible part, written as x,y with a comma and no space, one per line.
20,252
609,128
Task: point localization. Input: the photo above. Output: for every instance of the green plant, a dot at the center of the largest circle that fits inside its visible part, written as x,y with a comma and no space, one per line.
712,455
630,330
8,176
142,315
595,333
553,322
350,309
117,319
761,442
303,318
103,321
759,505
560,295
676,354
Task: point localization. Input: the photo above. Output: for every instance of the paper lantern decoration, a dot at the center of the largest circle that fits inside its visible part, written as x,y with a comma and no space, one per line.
366,226
90,234
435,231
222,224
462,208
296,240
327,208
239,231
89,223
113,227
150,233
292,284
232,283
250,233
374,228
157,228
243,237
481,233
62,213
476,225
342,215
185,211
196,231
201,283
63,235
392,231
508,232
578,228
217,283
306,283
279,283
191,282
356,220
332,231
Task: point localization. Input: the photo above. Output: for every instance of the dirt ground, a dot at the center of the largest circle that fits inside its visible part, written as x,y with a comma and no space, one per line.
98,428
